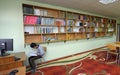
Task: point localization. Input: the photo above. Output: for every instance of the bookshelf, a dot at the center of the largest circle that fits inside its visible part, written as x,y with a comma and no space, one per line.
43,25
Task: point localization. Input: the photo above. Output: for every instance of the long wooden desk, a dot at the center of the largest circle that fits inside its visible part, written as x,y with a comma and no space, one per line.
8,63
117,45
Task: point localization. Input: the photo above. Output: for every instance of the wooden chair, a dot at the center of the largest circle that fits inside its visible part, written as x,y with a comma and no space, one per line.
113,51
42,60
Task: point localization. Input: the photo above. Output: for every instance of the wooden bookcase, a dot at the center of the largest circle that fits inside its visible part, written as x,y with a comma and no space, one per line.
43,25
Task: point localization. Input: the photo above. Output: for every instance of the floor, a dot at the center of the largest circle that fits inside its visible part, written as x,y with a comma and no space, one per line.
83,64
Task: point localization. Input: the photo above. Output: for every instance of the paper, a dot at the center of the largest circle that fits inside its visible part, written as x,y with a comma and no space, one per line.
33,53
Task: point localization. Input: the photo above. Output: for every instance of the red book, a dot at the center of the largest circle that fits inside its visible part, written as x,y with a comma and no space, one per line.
30,20
33,20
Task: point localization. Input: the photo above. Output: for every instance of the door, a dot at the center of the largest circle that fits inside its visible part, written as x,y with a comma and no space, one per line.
118,33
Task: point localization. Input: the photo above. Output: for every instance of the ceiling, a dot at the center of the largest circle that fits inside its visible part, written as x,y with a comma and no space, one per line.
91,6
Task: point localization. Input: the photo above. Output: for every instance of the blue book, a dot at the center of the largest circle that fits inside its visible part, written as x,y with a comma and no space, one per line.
38,20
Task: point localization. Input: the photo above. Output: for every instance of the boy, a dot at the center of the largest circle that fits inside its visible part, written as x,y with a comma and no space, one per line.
37,53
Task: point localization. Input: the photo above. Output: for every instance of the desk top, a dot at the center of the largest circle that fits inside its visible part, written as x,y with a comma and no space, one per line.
115,44
21,55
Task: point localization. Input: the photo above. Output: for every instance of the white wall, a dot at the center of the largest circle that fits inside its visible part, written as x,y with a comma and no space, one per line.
11,26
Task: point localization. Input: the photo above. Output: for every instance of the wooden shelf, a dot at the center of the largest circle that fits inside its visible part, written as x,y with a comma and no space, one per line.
44,25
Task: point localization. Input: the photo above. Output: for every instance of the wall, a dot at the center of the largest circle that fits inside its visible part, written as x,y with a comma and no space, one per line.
118,21
11,26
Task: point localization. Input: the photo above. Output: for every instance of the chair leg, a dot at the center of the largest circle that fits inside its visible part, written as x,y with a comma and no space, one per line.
117,59
42,60
107,57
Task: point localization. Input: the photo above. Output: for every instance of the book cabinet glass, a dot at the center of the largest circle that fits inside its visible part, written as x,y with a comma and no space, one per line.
43,25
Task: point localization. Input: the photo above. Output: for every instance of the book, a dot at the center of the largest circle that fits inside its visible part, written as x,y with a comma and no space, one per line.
45,13
55,29
36,11
70,22
62,29
28,10
30,19
81,17
59,22
29,29
38,20
76,29
41,12
78,23
86,24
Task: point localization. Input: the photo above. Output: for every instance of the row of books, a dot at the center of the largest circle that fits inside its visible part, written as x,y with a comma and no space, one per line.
110,25
90,30
45,12
35,11
110,29
43,21
99,29
33,30
93,24
38,20
72,16
87,18
60,22
88,36
40,12
47,21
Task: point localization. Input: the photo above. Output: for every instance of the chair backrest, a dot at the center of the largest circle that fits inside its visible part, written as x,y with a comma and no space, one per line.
111,46
45,48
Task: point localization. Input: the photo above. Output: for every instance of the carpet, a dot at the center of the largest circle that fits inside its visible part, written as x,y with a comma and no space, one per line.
93,63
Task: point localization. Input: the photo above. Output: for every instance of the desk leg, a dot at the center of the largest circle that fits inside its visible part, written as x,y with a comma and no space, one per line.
118,58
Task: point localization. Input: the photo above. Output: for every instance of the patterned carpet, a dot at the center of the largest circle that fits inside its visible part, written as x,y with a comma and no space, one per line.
91,63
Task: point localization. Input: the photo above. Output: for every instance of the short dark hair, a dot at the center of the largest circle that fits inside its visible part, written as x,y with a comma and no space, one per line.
32,45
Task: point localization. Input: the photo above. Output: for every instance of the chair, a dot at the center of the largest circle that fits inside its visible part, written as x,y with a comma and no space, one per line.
45,50
43,57
112,50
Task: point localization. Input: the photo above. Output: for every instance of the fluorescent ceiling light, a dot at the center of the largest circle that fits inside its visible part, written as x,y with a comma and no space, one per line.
107,1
